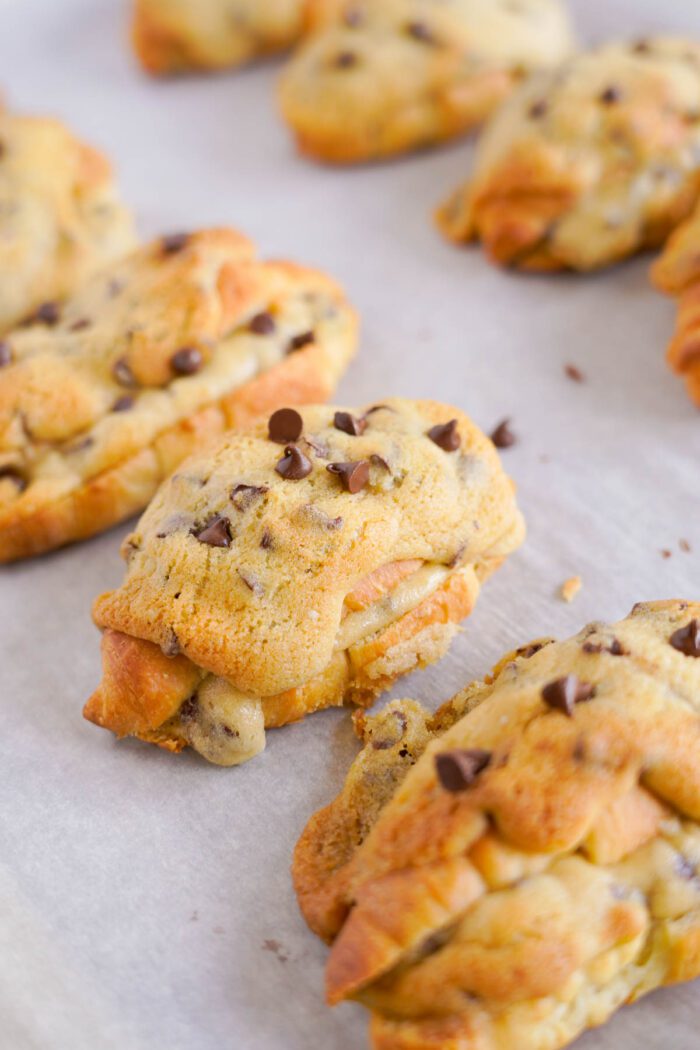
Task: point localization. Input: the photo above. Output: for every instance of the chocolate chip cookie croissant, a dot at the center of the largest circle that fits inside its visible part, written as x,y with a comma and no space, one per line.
304,563
379,78
60,217
589,163
677,272
508,872
173,36
101,398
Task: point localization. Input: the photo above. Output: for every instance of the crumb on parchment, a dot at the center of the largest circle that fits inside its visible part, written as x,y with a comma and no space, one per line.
570,588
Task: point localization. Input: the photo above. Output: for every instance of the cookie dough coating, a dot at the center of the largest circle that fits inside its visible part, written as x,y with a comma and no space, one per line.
509,871
589,163
302,572
60,217
677,272
379,78
163,350
175,36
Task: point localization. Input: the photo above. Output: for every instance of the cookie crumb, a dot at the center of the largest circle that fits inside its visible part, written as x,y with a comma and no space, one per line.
665,553
685,546
574,373
570,588
276,948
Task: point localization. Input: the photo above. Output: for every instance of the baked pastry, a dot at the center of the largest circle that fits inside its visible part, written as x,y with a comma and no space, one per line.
60,218
306,563
173,36
100,399
378,77
677,272
509,871
589,163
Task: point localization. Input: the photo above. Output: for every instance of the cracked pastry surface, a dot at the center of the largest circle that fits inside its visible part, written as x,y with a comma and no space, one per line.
378,78
173,36
60,217
677,272
304,563
587,164
509,871
187,336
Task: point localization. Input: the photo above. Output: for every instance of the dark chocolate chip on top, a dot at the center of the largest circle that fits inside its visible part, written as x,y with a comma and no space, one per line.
216,532
262,324
610,95
687,639
349,424
421,31
186,361
298,342
345,60
353,476
284,426
564,693
294,465
123,404
458,769
48,313
445,436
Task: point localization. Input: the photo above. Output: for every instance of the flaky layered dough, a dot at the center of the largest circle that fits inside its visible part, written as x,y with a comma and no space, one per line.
677,272
152,358
60,218
508,872
253,598
380,78
173,36
587,164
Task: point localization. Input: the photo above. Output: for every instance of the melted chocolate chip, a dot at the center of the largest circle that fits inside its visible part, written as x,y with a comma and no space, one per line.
174,242
421,32
285,425
243,495
457,770
123,404
15,476
294,465
378,461
538,109
445,436
564,693
353,17
80,325
687,639
187,361
349,424
298,342
610,96
216,532
345,60
615,648
47,313
251,582
526,651
503,436
641,47
121,370
266,540
190,709
262,324
5,354
354,476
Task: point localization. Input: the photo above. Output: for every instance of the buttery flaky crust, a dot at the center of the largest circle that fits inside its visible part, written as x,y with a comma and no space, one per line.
374,79
508,872
587,164
173,36
254,596
677,272
190,335
60,219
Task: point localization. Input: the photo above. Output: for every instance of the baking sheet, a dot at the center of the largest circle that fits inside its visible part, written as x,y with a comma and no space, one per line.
145,900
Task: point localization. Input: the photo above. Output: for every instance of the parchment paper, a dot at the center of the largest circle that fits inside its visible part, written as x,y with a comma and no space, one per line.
145,900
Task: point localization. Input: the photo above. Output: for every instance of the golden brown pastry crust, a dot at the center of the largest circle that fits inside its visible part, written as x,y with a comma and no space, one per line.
60,217
547,885
677,272
175,36
375,79
450,512
76,462
588,164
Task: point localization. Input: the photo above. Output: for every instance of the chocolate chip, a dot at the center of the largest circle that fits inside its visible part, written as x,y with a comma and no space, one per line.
121,370
378,461
445,436
503,436
354,476
266,540
15,476
421,32
687,639
80,325
47,313
285,425
378,408
615,648
345,60
538,109
320,450
190,709
5,354
262,324
564,693
243,495
685,867
610,96
349,424
641,47
123,404
174,242
171,645
526,651
574,373
251,583
298,342
216,532
115,287
187,361
353,17
457,770
294,465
